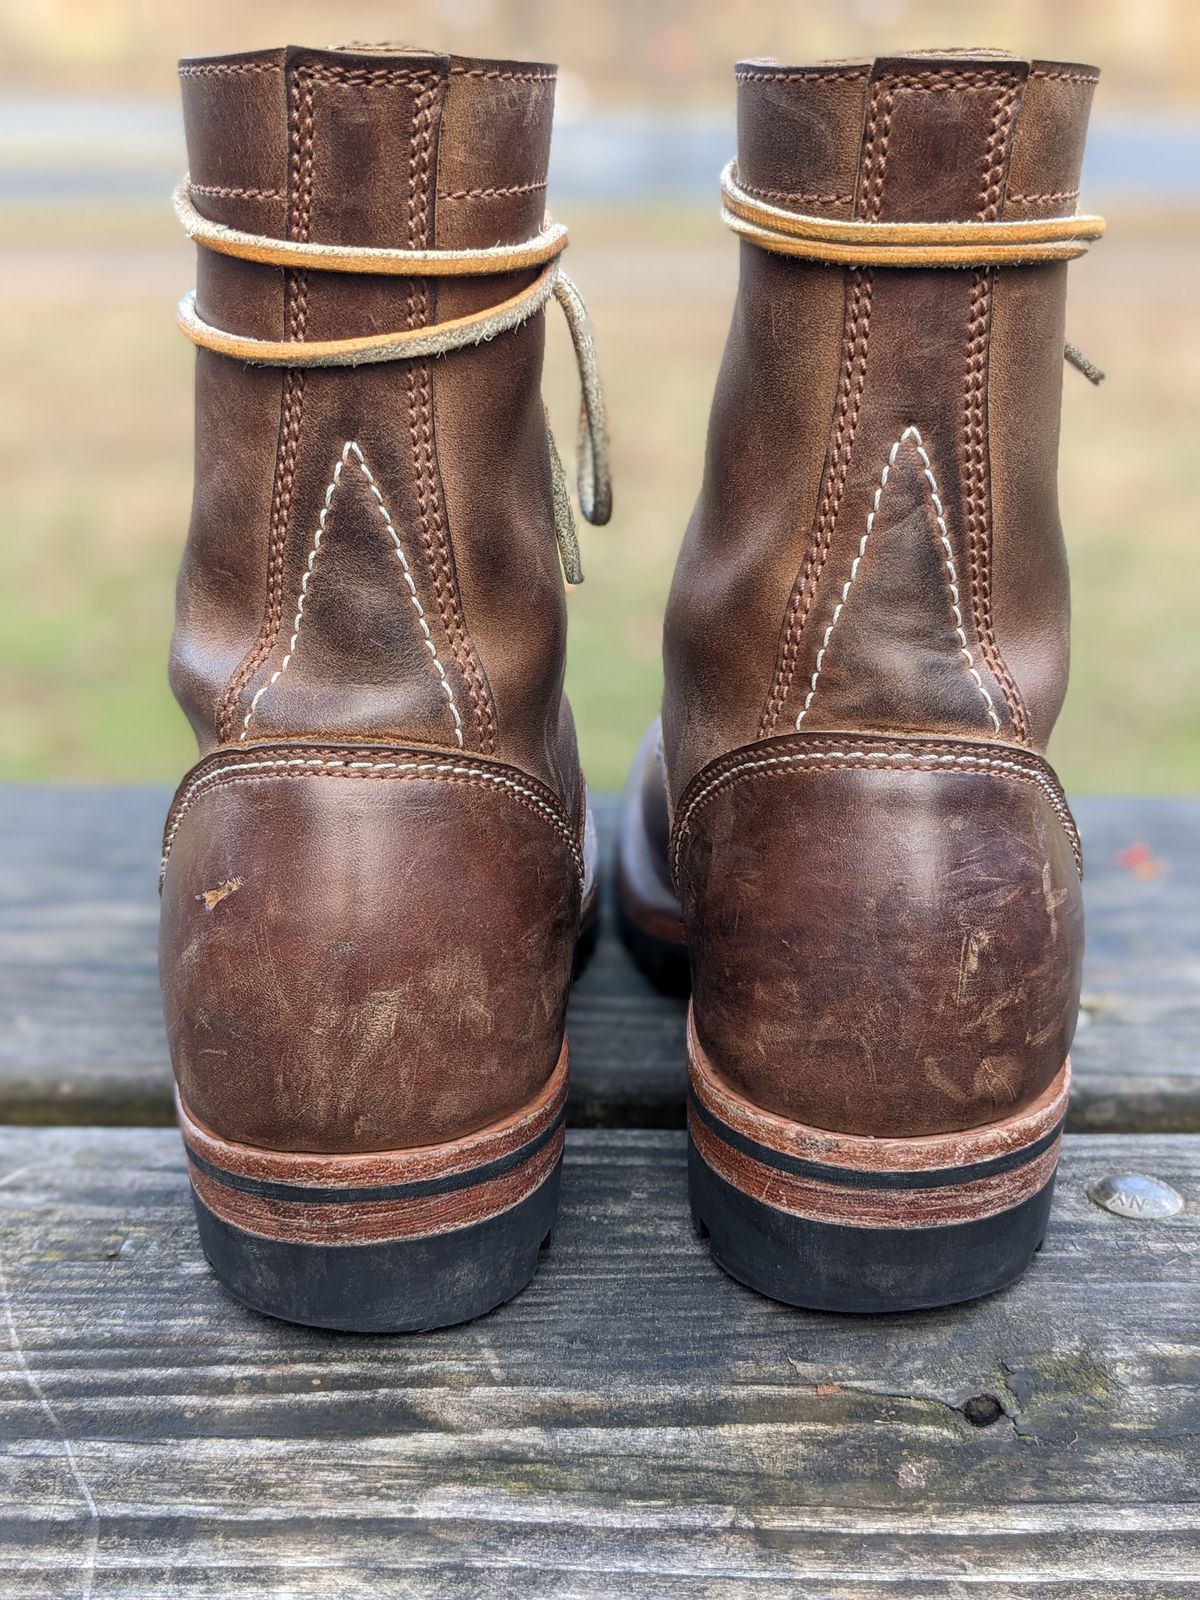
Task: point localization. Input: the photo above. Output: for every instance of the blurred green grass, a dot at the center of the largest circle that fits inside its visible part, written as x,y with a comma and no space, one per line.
95,448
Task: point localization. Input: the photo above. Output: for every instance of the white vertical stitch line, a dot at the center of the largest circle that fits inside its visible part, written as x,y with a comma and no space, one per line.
39,1394
951,573
351,448
914,433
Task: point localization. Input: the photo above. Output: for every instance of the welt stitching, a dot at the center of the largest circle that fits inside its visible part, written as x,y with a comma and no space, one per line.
951,575
235,191
850,392
349,449
898,761
1064,77
420,400
492,192
300,135
297,766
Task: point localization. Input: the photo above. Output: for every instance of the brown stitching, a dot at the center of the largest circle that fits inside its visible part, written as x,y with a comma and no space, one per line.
301,126
994,155
304,95
939,82
1041,199
802,76
420,406
366,77
975,440
491,193
226,191
1064,76
801,199
878,131
220,69
502,73
850,392
853,383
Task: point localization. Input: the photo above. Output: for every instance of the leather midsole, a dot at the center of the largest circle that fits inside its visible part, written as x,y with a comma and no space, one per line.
864,1182
380,1195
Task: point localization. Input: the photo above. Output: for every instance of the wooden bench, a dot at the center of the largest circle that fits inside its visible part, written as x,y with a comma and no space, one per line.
635,1424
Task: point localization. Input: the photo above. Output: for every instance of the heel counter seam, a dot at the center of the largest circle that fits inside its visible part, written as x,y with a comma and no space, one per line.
917,756
356,765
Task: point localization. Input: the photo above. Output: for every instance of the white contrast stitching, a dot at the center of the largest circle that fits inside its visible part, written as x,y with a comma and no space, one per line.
350,448
441,768
960,759
914,433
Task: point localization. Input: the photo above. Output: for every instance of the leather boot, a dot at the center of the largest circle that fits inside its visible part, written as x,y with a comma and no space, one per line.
376,877
847,823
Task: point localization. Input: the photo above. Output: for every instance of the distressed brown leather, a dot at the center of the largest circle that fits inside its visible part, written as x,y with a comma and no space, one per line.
392,965
887,941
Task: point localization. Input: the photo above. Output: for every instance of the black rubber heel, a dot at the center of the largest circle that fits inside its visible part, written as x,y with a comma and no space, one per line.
831,1267
398,1286
839,1221
380,1241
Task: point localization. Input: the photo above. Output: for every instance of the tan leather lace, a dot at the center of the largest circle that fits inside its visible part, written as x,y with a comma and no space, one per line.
435,339
902,244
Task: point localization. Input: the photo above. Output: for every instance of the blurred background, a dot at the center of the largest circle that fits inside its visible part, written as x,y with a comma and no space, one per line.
95,404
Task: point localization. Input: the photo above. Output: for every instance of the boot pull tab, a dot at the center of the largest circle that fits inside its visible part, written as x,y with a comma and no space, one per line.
1075,356
564,516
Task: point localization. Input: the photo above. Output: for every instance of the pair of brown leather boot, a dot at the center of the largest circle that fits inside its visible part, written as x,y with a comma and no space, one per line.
378,877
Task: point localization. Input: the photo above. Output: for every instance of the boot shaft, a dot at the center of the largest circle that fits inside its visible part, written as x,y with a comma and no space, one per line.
375,878
372,551
876,544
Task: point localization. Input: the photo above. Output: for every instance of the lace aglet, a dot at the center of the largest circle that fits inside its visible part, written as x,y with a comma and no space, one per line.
1076,357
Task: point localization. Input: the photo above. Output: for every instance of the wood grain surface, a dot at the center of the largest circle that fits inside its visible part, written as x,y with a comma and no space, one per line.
635,1424
81,1036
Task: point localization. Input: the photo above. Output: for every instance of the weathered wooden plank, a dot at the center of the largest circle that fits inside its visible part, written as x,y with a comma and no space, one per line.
635,1423
81,1039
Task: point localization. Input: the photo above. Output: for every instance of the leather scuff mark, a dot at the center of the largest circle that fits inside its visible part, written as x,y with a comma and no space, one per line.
212,898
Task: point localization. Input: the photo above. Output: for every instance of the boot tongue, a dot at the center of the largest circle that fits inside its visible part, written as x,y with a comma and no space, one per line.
929,136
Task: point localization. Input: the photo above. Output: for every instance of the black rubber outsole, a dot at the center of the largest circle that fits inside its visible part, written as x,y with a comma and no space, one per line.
400,1286
824,1266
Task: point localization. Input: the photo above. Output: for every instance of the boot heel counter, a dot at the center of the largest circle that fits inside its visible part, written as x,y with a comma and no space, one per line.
886,936
364,950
